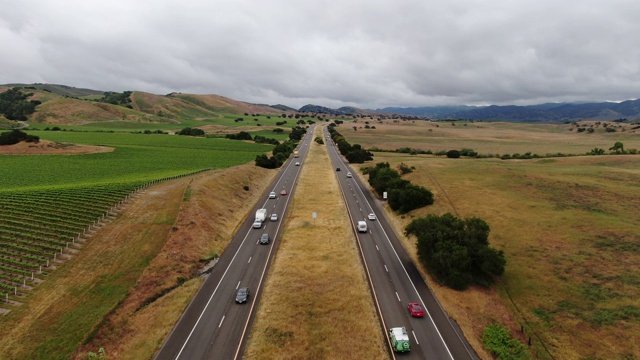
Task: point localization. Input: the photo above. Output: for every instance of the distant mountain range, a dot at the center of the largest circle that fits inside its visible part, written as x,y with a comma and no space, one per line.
549,112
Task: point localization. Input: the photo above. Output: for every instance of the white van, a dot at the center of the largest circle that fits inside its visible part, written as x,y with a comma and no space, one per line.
362,226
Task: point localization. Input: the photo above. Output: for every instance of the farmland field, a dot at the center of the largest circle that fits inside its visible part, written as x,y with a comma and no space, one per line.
568,226
50,204
48,201
137,158
489,137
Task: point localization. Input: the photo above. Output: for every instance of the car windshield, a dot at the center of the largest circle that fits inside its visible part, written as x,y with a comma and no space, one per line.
417,307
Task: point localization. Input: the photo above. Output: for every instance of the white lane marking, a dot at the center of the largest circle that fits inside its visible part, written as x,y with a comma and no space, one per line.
398,296
221,321
385,268
377,248
415,337
250,257
237,286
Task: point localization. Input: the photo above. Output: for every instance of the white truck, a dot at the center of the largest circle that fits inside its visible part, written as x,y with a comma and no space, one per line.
362,226
261,216
399,339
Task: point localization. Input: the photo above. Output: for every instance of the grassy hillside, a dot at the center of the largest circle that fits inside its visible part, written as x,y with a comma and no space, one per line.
568,226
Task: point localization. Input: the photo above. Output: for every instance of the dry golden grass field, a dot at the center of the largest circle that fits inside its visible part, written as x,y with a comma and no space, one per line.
316,303
569,227
490,137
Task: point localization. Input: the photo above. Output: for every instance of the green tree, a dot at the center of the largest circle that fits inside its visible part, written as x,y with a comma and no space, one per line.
617,148
15,136
456,252
15,106
453,154
408,197
191,132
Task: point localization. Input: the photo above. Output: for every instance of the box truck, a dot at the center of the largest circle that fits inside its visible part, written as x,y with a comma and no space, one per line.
261,216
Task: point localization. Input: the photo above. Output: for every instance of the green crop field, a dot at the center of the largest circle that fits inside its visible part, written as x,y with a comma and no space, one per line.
185,120
137,158
48,201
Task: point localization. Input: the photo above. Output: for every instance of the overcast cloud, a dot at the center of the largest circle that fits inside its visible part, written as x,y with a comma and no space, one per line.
369,54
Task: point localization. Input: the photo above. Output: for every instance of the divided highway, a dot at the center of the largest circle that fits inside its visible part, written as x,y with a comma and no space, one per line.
213,326
394,278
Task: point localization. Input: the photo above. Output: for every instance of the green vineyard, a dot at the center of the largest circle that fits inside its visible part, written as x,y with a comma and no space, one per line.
37,227
49,202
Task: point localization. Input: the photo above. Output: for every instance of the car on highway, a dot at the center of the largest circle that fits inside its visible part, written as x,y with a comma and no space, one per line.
297,163
337,169
272,195
283,192
348,174
242,295
371,216
274,217
415,309
264,239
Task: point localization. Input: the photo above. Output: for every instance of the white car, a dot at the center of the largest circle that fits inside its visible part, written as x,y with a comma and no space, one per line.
372,216
272,195
274,217
349,174
297,163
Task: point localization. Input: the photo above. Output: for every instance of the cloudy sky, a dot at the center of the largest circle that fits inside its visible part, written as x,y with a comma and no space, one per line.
369,54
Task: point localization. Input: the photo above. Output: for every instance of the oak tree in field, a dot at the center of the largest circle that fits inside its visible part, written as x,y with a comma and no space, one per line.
455,251
617,148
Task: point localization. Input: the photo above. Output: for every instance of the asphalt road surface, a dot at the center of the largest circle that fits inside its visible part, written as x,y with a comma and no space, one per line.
394,278
213,326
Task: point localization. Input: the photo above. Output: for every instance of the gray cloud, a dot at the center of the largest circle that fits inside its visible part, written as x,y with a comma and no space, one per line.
334,53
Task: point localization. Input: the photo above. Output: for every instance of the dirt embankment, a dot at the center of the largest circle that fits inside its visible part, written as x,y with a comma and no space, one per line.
45,147
213,204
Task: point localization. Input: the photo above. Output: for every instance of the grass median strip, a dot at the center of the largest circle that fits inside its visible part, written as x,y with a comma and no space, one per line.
316,303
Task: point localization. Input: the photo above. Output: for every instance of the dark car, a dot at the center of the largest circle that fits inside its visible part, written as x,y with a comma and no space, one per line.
264,239
337,169
242,296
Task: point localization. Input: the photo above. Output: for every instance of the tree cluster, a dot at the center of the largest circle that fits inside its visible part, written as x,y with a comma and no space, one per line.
14,104
242,135
403,196
297,133
281,153
191,132
15,136
116,98
265,140
355,154
456,252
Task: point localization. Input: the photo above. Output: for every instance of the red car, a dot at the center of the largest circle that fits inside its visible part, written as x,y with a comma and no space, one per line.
416,309
283,192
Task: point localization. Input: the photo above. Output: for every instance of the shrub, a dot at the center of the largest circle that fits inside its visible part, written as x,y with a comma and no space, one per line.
191,132
15,136
453,154
498,341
